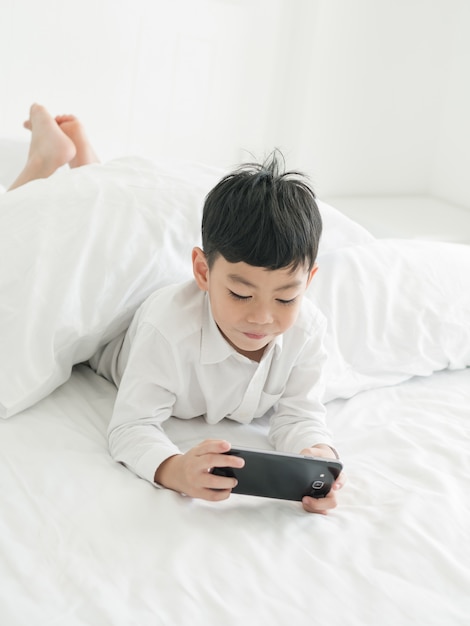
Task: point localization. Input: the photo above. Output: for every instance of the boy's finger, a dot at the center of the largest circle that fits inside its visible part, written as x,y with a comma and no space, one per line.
339,482
212,446
225,460
318,505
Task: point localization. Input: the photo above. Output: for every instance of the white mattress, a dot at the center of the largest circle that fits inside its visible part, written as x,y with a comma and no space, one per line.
84,541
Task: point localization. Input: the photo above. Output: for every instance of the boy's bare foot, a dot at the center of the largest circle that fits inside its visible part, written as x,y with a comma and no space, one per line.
73,128
50,148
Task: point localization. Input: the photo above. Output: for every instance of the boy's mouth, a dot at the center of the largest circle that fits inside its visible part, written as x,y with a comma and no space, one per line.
256,336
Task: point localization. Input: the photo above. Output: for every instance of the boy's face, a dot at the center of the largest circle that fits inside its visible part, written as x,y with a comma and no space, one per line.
251,305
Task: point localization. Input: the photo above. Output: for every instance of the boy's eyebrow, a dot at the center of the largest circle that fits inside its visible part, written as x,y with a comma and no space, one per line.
236,278
243,281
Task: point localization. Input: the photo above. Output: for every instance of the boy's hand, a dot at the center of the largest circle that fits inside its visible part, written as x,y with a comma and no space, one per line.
190,473
323,505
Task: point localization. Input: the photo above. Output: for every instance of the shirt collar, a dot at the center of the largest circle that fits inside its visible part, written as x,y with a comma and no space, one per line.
215,349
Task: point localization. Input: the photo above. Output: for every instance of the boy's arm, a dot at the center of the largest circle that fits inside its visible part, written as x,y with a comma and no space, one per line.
299,418
145,400
299,421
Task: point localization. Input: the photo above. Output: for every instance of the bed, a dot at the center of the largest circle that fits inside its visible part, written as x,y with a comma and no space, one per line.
85,542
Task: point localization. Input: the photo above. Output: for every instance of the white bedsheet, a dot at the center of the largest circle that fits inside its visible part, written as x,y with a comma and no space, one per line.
85,542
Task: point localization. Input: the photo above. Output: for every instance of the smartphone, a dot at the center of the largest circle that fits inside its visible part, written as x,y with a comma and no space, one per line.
279,475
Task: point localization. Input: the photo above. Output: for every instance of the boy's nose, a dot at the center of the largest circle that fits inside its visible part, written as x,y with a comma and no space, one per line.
260,315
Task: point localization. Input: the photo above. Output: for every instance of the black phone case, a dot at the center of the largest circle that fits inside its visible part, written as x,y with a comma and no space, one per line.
282,476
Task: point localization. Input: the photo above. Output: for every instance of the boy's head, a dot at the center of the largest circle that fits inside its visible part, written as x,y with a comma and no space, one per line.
260,235
262,216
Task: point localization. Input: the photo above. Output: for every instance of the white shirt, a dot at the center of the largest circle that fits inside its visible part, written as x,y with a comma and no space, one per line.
175,362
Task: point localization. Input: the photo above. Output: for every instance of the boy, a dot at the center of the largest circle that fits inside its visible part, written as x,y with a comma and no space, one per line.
235,343
238,342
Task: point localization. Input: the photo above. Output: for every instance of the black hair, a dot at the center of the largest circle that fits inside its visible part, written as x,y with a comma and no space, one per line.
263,216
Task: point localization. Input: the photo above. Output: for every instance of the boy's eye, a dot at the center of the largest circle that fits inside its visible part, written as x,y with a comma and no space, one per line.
291,301
237,296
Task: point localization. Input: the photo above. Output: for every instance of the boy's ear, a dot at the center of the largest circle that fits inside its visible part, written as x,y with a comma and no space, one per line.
200,269
312,273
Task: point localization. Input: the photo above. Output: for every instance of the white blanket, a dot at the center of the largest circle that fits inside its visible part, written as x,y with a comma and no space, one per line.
81,250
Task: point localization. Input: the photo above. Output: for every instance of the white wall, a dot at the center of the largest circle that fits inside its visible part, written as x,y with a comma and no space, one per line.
368,96
451,148
375,94
179,77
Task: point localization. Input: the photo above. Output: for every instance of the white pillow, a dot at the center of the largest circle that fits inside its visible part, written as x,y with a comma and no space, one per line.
395,309
81,250
339,230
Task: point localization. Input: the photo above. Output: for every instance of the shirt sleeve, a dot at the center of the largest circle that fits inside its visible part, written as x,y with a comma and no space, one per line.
145,400
299,418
